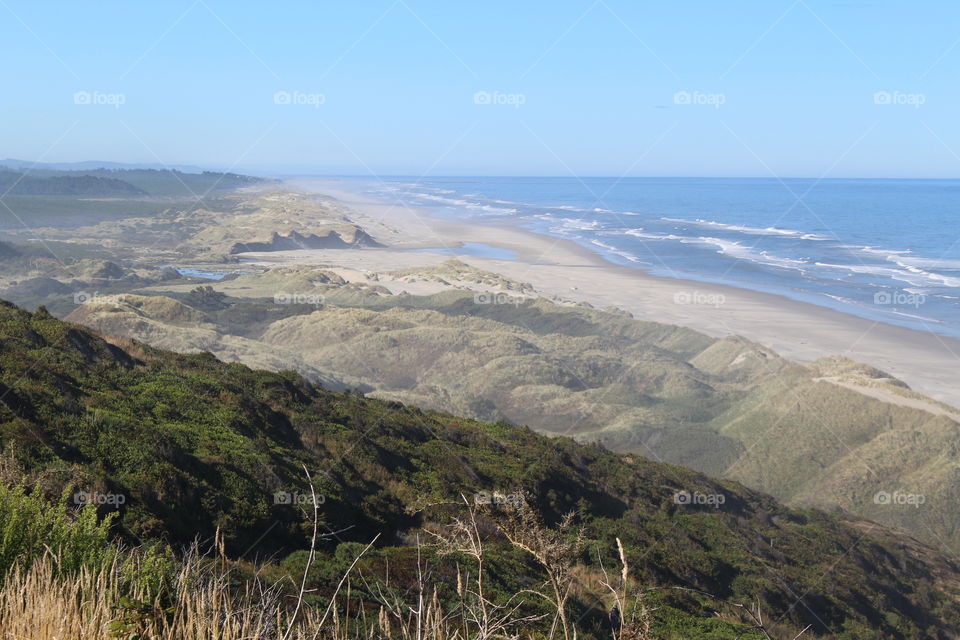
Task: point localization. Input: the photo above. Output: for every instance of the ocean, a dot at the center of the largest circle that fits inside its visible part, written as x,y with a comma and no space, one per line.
887,250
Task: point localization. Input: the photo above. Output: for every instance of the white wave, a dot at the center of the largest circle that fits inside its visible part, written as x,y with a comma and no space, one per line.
757,231
728,247
582,225
932,263
623,254
876,270
467,204
949,281
748,254
565,232
843,299
488,208
436,198
913,276
640,233
886,253
908,264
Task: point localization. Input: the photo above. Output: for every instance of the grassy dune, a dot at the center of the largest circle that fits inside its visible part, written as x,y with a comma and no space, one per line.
727,407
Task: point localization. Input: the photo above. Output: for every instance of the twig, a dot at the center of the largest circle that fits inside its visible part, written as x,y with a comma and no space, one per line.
310,558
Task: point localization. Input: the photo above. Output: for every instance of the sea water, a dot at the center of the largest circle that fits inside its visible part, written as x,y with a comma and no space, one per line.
888,250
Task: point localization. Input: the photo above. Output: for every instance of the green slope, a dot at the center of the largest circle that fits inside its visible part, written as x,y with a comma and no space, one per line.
195,445
727,407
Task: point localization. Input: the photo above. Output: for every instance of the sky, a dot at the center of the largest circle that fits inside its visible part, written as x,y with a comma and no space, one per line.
778,88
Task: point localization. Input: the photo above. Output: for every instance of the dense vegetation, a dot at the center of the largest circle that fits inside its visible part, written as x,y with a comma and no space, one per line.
117,182
199,448
8,250
174,183
70,199
21,184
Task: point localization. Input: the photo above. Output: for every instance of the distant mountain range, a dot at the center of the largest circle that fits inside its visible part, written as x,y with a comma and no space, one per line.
87,165
24,184
91,179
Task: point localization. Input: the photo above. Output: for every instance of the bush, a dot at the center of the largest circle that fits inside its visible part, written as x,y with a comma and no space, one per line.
31,526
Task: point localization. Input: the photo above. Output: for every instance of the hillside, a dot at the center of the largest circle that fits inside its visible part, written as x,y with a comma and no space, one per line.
187,218
197,446
90,165
831,434
23,184
20,178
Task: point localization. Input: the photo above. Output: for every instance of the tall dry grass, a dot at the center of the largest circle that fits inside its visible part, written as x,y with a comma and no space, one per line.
38,604
144,594
41,603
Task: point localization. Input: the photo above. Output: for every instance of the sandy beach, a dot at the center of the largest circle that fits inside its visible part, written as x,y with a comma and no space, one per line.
555,267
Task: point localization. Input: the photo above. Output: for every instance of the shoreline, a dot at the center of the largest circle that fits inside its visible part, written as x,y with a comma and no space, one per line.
799,331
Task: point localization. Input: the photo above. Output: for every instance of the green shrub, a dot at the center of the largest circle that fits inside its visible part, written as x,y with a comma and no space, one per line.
31,526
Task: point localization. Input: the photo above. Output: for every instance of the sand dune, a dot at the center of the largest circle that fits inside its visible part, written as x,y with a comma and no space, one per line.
802,332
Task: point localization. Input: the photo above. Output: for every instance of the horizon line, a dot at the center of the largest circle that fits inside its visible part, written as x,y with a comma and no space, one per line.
592,176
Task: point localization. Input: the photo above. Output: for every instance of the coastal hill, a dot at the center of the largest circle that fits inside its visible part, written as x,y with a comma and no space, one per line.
21,184
102,179
455,338
182,218
199,447
831,434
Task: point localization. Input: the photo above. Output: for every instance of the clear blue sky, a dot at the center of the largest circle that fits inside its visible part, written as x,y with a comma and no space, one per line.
398,83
